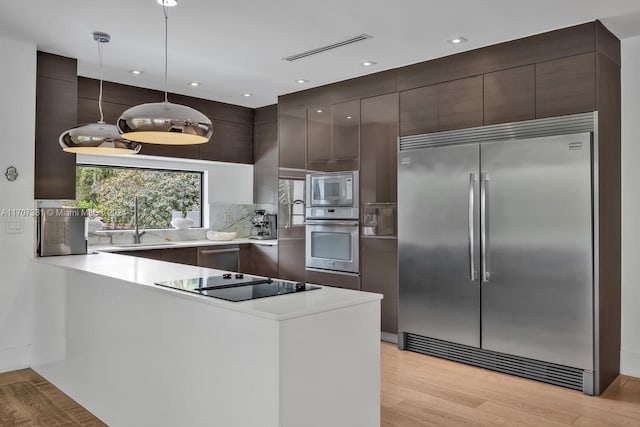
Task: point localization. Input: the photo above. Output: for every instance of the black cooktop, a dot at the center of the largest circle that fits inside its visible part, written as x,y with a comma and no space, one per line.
237,287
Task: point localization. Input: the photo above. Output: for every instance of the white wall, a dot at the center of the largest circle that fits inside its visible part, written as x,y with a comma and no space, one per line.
17,121
630,354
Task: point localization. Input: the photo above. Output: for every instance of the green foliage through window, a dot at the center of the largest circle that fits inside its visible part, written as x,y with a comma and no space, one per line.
162,195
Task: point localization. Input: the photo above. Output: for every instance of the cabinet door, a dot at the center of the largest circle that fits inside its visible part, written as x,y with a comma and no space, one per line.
148,253
419,111
222,257
187,256
566,86
291,259
379,149
56,111
265,154
460,104
509,95
292,135
265,260
319,138
345,136
231,142
379,259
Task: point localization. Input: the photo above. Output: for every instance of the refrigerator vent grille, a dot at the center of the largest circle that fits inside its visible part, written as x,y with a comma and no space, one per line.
551,373
563,125
358,38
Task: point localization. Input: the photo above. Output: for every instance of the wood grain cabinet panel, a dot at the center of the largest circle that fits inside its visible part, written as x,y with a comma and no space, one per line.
460,104
292,139
378,149
509,95
56,111
264,260
566,86
265,156
419,111
319,138
291,259
231,142
379,260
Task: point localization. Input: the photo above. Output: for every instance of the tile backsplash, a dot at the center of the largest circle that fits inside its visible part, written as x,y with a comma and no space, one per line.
227,217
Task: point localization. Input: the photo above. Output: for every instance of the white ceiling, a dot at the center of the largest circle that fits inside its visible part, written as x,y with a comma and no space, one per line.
233,47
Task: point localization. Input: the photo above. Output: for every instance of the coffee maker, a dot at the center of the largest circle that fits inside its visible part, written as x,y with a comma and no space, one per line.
265,225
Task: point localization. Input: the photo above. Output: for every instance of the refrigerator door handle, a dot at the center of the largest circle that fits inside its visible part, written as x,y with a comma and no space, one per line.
484,179
473,178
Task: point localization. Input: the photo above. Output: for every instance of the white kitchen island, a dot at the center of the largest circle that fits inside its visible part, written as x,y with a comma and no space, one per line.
137,354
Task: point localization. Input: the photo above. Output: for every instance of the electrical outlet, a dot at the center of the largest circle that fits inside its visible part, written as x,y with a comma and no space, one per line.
227,216
14,226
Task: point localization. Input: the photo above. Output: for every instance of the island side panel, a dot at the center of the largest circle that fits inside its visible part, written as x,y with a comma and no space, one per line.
330,368
137,356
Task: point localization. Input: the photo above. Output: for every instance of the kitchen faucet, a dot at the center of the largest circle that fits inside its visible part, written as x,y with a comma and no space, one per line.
136,233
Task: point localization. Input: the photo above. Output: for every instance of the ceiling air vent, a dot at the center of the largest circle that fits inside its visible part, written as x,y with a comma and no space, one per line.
301,55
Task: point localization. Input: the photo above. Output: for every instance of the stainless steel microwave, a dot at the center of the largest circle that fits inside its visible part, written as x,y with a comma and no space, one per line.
332,195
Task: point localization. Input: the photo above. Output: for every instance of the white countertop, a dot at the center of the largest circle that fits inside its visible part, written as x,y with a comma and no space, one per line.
180,244
144,272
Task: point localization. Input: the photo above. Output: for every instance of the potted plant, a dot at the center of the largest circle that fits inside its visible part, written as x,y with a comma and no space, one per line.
182,223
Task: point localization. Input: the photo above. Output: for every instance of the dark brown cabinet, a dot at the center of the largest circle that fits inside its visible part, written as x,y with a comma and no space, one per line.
292,139
265,155
380,275
509,95
336,280
460,104
291,258
378,149
566,86
264,260
231,142
56,111
178,255
220,257
418,111
333,137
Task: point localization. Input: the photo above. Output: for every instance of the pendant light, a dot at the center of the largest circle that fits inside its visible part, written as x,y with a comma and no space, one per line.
165,122
97,138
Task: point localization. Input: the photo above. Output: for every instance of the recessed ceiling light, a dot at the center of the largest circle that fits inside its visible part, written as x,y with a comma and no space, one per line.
194,84
246,94
367,63
136,72
457,40
168,3
301,81
318,111
349,117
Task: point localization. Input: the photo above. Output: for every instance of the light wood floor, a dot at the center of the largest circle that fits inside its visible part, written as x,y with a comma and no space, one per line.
417,391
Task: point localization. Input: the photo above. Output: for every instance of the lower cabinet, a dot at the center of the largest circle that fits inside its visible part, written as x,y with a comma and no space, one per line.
259,260
178,255
219,257
379,270
291,259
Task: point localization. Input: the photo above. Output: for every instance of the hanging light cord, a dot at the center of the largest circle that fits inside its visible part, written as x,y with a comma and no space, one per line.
101,79
166,38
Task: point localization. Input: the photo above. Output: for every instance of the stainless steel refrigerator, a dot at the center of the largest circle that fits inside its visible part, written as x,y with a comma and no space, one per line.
496,253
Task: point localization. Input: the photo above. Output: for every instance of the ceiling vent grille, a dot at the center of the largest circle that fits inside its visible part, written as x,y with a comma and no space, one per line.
301,55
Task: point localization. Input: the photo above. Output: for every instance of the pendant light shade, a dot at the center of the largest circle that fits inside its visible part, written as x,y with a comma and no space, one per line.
97,138
165,122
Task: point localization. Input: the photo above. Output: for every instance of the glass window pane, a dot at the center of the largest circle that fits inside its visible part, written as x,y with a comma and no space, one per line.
331,245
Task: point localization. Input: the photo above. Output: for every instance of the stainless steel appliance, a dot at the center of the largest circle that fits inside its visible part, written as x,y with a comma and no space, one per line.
333,195
265,225
332,222
496,248
62,231
237,287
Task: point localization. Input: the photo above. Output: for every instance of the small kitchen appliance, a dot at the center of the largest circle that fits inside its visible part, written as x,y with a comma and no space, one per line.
62,231
264,224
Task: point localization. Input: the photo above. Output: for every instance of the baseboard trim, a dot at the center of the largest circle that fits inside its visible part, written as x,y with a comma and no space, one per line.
389,337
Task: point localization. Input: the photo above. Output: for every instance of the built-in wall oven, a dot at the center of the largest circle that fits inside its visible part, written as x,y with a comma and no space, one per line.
332,222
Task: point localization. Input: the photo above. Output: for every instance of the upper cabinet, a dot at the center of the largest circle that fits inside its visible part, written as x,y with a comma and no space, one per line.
419,111
265,155
231,142
292,139
509,95
460,104
566,86
56,111
333,137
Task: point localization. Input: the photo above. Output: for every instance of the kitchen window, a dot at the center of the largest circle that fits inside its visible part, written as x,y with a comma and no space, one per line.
109,193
